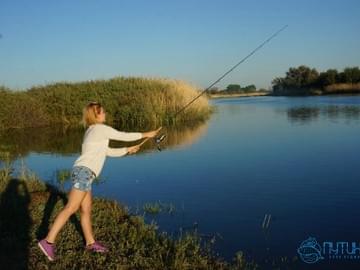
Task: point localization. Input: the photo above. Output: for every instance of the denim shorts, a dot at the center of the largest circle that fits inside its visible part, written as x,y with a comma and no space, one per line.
82,178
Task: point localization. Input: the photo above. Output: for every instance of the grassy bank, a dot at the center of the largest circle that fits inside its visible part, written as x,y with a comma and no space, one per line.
129,101
28,206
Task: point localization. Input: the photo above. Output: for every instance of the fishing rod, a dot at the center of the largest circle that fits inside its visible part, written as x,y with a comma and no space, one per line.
160,138
231,69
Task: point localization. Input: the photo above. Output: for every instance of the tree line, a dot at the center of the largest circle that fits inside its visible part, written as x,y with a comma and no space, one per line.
234,89
306,80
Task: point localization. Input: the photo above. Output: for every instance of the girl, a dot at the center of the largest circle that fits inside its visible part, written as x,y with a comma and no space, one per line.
87,167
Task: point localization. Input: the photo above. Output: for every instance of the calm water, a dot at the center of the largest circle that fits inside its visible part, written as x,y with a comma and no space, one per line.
296,159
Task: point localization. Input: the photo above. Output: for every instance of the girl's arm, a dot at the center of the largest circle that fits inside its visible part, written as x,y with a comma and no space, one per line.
119,152
115,134
116,152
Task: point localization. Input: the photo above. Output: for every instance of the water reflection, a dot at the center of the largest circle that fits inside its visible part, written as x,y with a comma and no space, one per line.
276,167
61,140
67,141
308,114
303,114
175,137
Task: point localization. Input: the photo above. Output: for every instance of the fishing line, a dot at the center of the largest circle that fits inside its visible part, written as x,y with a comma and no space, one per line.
160,138
231,69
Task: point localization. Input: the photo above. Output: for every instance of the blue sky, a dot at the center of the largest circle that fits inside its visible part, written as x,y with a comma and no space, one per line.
197,41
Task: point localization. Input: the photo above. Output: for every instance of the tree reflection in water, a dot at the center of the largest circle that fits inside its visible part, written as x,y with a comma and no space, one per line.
334,112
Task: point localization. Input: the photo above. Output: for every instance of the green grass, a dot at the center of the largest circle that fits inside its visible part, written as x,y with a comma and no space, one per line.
28,206
158,207
140,102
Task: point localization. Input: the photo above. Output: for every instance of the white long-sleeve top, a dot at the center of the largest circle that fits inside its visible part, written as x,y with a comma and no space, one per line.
95,146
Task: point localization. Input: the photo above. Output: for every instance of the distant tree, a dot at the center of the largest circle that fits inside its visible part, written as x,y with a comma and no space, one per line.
296,78
351,75
301,76
278,85
304,80
249,88
328,77
233,88
213,90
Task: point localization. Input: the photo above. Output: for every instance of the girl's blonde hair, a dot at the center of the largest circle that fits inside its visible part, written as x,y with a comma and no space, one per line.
90,113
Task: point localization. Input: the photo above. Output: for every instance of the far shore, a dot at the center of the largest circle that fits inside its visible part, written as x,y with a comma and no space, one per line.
253,94
287,94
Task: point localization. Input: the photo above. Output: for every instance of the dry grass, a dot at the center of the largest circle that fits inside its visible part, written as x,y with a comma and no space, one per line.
340,87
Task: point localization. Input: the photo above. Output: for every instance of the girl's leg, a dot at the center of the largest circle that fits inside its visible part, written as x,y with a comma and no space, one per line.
85,218
76,196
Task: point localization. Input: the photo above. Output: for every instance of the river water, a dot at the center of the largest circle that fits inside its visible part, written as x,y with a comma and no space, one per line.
261,176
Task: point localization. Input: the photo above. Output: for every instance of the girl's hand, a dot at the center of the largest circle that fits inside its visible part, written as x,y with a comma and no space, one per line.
151,134
133,149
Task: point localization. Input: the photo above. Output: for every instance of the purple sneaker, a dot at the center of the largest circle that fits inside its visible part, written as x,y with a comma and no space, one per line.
96,247
47,249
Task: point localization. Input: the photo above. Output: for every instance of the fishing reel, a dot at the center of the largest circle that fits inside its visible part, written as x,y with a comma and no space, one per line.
158,140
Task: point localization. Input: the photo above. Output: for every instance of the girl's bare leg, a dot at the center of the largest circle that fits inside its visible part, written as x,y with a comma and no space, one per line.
85,218
75,198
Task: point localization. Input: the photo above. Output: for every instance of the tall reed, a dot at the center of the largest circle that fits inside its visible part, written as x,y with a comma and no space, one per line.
129,101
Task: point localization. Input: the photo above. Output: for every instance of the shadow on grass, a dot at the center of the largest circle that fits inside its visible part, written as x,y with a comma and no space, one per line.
54,196
15,225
